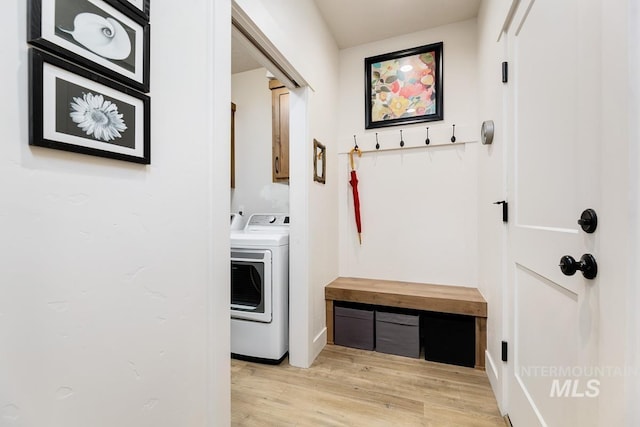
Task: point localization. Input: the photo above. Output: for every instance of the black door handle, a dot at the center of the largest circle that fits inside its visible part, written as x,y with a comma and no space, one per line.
587,264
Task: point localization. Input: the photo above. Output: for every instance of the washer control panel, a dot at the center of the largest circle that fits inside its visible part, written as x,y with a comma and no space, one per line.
263,220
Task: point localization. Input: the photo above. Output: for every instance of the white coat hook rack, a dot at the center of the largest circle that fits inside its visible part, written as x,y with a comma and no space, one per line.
437,136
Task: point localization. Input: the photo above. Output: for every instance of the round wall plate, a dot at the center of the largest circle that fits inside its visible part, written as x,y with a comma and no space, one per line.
486,132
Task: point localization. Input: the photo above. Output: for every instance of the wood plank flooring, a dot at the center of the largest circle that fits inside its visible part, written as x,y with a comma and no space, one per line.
350,387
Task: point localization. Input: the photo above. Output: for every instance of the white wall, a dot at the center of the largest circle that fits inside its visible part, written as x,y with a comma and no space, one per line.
632,387
617,293
255,190
419,209
108,315
296,28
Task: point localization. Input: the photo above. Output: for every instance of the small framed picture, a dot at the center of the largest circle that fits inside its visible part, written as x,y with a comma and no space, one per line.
139,7
319,162
94,34
404,87
74,109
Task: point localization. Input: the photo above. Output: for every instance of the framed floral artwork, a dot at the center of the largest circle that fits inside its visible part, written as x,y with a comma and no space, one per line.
404,87
94,34
74,109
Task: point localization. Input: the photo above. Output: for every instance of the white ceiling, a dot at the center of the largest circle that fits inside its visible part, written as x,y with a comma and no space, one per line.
355,22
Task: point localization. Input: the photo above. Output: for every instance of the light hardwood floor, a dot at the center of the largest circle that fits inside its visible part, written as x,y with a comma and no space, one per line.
349,387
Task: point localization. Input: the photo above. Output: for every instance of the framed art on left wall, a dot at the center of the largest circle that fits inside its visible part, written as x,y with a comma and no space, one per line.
73,109
93,34
139,7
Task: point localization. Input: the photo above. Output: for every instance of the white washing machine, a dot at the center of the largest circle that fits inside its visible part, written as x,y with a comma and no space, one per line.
260,289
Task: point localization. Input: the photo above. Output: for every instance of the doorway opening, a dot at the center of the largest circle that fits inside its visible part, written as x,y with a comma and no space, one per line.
264,82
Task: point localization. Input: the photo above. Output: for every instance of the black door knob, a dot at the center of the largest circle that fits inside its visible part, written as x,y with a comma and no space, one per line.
588,221
587,264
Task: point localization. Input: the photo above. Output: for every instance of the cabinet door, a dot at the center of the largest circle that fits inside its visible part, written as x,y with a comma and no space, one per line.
280,126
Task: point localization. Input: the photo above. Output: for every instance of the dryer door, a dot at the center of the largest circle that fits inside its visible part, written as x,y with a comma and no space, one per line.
251,284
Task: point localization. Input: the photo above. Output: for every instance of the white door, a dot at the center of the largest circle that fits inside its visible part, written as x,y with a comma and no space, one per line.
554,118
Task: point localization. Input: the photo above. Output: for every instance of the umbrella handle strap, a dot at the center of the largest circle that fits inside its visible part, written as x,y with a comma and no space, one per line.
357,150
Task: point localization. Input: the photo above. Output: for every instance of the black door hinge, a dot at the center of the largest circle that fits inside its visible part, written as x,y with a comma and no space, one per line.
504,351
505,72
505,209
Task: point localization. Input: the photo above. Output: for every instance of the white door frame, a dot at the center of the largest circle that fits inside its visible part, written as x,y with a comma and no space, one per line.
300,334
620,246
633,300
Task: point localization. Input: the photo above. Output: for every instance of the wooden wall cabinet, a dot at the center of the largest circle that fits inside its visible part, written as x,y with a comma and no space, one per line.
280,131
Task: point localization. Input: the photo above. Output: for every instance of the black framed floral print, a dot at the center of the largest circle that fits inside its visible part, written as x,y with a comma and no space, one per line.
74,109
404,87
94,34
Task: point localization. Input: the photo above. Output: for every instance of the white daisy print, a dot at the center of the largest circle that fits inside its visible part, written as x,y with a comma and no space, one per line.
97,117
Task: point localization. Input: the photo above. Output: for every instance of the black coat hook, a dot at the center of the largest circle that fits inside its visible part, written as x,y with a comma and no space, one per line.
355,143
453,136
377,143
427,141
401,140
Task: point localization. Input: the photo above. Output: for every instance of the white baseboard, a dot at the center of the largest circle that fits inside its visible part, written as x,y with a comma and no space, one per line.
490,367
318,344
495,378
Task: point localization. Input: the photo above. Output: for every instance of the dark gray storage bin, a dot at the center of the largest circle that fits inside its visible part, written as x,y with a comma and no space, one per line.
353,327
450,338
398,333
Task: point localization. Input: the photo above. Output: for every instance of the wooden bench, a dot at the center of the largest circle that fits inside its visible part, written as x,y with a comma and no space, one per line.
417,296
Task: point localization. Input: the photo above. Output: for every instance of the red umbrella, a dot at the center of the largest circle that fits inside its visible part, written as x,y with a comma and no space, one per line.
354,188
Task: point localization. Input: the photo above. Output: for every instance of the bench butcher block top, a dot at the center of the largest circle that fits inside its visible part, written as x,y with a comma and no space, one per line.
418,296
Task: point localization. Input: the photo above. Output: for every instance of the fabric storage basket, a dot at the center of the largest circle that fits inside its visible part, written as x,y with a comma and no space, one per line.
398,333
353,327
449,338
